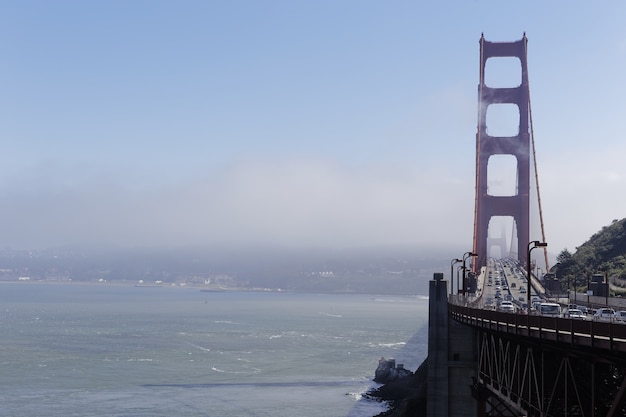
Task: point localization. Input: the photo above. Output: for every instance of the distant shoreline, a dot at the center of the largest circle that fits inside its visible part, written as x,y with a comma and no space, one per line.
202,288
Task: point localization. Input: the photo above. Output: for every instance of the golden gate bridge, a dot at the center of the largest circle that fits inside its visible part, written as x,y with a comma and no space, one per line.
483,362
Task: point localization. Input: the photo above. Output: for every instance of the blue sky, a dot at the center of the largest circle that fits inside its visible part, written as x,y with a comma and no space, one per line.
330,123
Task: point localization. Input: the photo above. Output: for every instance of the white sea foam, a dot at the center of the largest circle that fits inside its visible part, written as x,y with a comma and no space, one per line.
229,322
366,407
392,345
199,347
331,315
246,371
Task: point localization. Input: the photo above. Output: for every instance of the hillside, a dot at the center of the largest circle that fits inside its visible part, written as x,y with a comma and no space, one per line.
603,253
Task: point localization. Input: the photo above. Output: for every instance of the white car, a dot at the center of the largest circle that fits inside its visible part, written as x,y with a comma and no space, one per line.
550,309
620,316
574,313
507,308
604,313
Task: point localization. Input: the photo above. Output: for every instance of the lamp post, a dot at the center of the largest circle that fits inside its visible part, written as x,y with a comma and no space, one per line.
531,245
466,255
458,284
569,293
607,287
452,262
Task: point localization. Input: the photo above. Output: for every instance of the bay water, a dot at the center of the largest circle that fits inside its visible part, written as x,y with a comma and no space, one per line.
119,350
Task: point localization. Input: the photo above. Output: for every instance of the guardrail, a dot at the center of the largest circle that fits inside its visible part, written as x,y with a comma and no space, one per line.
585,333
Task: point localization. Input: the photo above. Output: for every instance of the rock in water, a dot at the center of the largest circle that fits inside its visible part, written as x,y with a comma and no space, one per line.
388,371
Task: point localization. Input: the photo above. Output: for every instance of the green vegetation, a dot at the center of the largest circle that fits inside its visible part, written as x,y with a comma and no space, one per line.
603,253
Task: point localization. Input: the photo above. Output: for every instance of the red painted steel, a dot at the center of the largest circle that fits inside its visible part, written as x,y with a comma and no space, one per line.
515,206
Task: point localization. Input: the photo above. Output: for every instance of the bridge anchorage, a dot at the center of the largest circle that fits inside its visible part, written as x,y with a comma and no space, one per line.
528,359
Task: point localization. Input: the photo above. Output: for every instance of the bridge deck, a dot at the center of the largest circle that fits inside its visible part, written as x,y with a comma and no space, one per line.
502,279
593,334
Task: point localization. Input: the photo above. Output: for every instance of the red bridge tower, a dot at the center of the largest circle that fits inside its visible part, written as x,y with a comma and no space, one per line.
516,206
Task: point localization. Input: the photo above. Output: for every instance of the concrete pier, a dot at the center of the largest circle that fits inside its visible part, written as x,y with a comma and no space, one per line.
452,358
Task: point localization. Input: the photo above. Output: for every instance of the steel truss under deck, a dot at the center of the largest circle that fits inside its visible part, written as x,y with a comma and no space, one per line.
522,377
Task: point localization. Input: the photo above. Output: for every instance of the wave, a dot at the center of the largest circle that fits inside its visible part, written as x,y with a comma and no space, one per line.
401,299
330,314
229,322
245,371
199,347
365,406
258,384
222,371
396,344
388,344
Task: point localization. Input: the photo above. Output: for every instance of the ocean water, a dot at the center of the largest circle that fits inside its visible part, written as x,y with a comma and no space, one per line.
114,350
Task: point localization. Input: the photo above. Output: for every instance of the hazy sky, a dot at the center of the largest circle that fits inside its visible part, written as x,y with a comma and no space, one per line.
333,123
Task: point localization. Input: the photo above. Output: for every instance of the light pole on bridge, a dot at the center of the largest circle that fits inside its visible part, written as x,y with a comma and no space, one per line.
466,255
452,262
458,284
569,292
535,244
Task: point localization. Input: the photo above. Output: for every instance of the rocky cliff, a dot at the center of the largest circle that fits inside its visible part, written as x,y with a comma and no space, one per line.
405,394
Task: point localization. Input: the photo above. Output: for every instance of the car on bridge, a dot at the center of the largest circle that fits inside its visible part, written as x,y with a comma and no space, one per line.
620,316
605,313
550,309
507,307
574,313
578,307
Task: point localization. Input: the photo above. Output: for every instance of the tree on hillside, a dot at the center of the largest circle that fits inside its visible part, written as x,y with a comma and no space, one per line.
564,263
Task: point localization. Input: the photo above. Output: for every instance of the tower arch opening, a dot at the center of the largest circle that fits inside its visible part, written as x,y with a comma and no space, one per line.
503,72
502,175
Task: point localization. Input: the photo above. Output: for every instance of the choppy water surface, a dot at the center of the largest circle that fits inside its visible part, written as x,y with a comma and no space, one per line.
106,350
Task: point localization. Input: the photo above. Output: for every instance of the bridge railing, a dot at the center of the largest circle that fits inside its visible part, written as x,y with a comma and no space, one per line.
585,333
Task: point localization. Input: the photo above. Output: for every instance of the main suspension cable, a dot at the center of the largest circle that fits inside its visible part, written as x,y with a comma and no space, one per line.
480,104
532,138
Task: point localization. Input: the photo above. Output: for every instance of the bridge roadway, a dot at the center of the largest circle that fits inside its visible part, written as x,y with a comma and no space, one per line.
534,365
504,280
